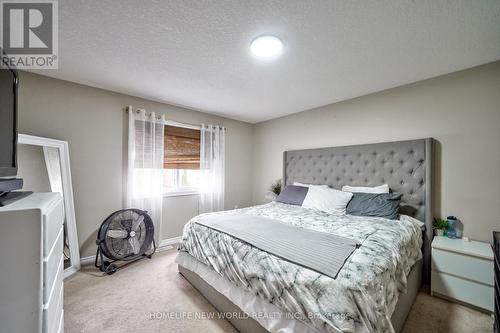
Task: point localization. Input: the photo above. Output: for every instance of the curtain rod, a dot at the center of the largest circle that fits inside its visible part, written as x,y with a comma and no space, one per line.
173,122
179,124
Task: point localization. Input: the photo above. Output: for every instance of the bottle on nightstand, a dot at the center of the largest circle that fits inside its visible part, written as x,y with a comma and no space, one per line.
452,227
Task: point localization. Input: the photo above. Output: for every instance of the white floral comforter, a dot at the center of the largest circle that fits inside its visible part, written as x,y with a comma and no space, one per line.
362,297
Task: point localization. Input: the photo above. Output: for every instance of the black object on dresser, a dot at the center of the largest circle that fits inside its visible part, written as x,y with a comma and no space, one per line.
496,253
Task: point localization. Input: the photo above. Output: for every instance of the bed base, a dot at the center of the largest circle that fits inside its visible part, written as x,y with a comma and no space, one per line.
249,325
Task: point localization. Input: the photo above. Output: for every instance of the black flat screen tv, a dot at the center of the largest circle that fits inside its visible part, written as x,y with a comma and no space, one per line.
8,122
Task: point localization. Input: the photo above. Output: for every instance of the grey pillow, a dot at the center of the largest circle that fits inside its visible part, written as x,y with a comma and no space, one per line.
293,195
375,204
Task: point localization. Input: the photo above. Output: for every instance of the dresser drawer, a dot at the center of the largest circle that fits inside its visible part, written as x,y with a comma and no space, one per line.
53,266
52,310
61,323
52,222
472,268
463,290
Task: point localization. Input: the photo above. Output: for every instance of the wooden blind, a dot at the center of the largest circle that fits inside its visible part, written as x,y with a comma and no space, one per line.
182,148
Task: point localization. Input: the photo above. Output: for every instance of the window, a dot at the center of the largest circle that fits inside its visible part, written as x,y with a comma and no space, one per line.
181,163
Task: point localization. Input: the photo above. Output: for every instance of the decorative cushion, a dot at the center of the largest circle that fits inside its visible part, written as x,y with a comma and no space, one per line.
292,195
375,204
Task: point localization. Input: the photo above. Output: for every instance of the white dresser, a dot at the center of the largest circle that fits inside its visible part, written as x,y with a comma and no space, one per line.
31,265
463,271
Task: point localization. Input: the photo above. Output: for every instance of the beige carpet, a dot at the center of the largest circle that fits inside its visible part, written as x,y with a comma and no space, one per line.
126,301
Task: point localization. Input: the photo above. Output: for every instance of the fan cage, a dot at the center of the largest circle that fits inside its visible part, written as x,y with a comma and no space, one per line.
123,219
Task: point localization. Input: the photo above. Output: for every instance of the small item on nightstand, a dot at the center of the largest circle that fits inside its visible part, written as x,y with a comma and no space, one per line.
439,226
466,239
452,224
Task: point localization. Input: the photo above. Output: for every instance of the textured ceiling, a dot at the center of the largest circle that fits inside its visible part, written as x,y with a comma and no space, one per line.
196,53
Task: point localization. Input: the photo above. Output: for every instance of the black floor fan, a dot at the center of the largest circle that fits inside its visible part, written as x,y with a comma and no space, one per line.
125,235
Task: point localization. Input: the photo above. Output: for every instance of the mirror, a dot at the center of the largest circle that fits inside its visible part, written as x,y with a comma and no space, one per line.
43,164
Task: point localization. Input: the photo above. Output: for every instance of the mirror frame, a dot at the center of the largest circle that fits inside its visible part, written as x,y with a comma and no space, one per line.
67,187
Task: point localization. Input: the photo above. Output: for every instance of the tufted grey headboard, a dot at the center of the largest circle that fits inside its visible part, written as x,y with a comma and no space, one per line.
405,165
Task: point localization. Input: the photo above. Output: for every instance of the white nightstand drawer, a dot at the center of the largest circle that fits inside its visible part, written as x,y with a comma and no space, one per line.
469,267
52,223
463,290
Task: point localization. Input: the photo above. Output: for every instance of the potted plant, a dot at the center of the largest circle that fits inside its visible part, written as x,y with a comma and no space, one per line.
274,190
439,226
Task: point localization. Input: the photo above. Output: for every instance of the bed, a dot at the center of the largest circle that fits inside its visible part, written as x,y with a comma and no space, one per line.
375,288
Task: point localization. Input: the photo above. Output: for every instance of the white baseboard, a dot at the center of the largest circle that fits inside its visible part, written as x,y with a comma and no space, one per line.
87,260
169,242
165,244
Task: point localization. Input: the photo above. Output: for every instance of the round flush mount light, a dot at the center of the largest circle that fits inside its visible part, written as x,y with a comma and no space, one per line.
266,47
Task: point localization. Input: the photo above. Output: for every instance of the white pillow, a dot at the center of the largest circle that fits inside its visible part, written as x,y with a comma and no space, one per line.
306,185
365,189
326,199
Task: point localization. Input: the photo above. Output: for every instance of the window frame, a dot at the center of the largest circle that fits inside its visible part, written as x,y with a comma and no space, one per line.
182,191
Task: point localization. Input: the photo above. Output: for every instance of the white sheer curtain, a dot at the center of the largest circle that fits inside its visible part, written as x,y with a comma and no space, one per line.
212,147
145,165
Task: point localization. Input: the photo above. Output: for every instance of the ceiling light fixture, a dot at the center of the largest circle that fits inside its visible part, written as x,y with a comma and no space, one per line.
266,47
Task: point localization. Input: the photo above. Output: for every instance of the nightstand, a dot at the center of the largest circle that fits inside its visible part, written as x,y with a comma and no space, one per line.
463,271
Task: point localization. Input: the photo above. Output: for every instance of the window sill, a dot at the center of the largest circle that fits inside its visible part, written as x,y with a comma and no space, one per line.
180,193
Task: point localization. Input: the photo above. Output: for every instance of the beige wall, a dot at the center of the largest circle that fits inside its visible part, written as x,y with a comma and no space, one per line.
32,168
460,110
177,211
94,123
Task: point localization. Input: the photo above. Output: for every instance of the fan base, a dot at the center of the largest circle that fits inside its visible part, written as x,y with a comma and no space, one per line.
109,268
